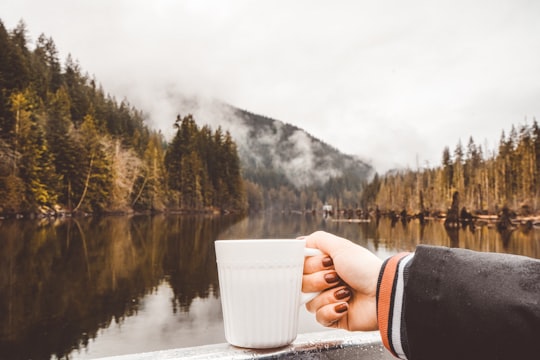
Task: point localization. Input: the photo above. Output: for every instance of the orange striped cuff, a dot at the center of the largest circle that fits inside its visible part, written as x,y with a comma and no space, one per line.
387,308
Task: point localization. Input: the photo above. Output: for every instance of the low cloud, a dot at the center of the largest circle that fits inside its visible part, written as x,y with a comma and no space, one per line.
436,72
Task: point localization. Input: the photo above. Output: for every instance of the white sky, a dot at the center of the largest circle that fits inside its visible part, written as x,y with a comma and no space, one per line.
390,81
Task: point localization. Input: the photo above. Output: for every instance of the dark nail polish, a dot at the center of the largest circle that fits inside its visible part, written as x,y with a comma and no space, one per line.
341,308
331,277
342,294
327,261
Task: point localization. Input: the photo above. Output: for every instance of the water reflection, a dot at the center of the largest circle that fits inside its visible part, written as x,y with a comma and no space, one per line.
387,237
95,287
61,282
156,327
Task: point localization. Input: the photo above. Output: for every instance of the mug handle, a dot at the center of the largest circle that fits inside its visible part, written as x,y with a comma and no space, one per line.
306,297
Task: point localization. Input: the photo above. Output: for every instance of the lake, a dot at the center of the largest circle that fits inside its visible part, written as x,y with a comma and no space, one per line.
93,287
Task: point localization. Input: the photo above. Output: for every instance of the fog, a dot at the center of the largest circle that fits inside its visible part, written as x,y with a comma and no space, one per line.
389,81
303,159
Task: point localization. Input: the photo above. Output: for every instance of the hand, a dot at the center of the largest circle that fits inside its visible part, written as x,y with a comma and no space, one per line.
347,277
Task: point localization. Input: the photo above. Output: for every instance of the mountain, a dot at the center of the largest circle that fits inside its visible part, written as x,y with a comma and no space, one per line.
273,152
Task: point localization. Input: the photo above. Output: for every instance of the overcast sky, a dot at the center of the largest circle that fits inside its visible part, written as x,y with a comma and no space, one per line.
390,81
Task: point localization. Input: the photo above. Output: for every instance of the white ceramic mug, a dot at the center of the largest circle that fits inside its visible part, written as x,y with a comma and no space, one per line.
260,283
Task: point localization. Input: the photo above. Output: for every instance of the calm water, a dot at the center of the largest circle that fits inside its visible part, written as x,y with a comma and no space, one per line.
86,288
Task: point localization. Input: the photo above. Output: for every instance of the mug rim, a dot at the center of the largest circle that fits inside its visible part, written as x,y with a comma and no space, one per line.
273,240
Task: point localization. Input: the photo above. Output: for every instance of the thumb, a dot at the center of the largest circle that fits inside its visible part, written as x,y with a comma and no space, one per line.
328,243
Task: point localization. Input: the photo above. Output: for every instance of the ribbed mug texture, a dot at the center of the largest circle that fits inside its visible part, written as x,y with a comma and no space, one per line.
261,298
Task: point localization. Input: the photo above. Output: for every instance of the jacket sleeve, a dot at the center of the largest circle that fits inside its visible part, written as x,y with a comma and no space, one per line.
443,303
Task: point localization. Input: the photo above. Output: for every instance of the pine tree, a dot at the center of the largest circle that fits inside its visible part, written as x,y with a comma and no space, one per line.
18,73
233,178
178,148
458,178
151,187
192,197
75,84
35,167
45,70
6,83
66,149
47,155
94,189
126,168
448,169
536,146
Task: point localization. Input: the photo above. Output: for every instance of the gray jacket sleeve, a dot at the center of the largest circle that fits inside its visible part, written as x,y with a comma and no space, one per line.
462,304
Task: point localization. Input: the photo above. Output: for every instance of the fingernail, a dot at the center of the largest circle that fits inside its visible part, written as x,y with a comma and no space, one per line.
331,277
342,293
341,308
327,261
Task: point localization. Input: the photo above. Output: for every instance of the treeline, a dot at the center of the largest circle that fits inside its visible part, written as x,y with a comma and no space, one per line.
486,181
287,169
66,145
203,168
270,191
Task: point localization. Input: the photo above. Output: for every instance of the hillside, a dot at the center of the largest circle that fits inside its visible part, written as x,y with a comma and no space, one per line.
274,153
69,147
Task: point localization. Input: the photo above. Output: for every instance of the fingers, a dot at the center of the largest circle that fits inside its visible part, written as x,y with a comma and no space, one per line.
320,280
317,263
330,306
319,274
358,270
331,314
332,296
356,265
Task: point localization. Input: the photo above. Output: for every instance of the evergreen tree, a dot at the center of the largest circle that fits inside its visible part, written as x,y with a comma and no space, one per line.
233,178
18,70
151,187
94,189
191,181
67,151
6,83
173,158
448,169
204,168
126,168
369,195
536,145
55,132
75,84
35,167
46,76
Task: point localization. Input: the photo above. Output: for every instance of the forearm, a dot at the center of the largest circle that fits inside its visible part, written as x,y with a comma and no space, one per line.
454,303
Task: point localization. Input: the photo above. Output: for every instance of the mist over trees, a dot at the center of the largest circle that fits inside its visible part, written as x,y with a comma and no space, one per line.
292,170
66,145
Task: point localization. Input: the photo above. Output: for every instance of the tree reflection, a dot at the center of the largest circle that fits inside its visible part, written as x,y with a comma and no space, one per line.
190,260
453,234
63,281
60,282
506,236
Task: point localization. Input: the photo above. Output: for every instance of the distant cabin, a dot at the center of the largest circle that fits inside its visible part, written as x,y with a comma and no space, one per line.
327,208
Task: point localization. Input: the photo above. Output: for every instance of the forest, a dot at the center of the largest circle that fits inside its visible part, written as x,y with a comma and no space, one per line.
486,181
68,147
